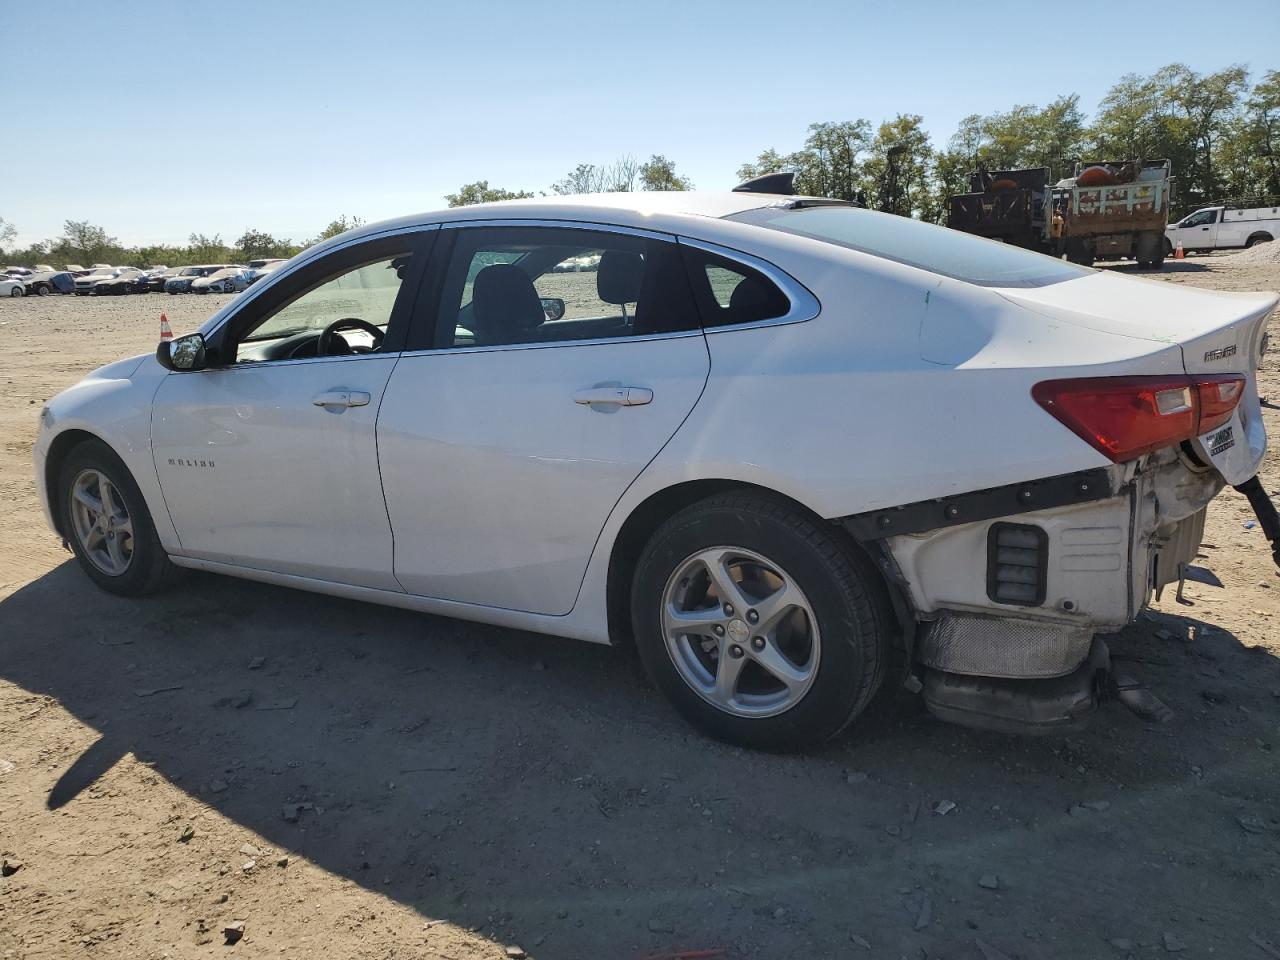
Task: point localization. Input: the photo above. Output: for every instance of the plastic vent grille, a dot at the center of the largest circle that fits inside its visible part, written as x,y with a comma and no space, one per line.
1017,563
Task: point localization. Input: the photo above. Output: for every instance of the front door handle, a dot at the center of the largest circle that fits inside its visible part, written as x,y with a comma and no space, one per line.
341,398
614,396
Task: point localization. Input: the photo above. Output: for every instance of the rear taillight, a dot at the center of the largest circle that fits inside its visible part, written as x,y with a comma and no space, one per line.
1125,417
1219,397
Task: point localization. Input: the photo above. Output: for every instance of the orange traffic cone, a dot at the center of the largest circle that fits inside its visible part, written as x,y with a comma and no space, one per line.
166,333
1179,253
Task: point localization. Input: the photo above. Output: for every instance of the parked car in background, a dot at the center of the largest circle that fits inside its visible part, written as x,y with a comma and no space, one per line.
182,280
86,279
154,280
41,284
261,268
789,449
140,283
227,280
18,273
118,284
11,287
1224,228
74,268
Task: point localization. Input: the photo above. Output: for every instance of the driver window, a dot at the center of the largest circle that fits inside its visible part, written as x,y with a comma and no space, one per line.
344,315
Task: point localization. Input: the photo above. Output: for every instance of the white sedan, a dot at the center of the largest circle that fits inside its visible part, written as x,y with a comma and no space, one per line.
789,449
12,287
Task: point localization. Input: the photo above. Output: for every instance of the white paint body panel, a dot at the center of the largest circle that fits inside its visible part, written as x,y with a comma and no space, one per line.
498,483
506,498
255,474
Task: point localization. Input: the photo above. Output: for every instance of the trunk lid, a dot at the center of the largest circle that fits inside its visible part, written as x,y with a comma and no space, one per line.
1217,333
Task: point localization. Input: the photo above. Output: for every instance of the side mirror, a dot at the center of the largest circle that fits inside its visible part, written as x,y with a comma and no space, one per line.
553,307
184,354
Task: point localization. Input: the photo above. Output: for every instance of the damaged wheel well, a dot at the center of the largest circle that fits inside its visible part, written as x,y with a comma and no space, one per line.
653,512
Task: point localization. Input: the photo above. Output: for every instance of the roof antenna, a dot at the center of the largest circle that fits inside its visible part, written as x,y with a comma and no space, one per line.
779,183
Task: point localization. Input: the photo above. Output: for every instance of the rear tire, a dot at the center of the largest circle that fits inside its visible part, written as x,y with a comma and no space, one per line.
784,673
1256,239
115,542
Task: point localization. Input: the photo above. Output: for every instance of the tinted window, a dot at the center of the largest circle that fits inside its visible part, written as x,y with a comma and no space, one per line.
517,285
940,250
730,292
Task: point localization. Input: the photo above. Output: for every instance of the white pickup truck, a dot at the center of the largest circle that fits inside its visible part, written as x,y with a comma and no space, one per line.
1222,228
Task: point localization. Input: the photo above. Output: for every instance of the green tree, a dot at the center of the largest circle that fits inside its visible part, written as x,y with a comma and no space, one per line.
203,249
1246,159
619,176
897,174
84,242
259,245
335,227
828,165
584,178
1207,105
659,173
8,233
769,161
481,192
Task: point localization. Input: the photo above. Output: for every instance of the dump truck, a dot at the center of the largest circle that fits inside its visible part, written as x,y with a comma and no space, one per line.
1014,206
1114,209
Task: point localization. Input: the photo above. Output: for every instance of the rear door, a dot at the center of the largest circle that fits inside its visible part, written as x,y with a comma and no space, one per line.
553,363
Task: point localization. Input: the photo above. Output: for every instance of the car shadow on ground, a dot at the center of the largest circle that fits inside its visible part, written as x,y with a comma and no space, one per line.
537,790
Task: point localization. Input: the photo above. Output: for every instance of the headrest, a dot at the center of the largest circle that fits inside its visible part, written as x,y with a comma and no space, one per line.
619,276
503,299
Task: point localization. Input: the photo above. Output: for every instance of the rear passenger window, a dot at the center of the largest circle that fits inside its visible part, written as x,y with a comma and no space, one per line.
525,285
729,292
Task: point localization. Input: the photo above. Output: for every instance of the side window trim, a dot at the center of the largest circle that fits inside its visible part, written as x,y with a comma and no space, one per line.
804,305
421,239
424,333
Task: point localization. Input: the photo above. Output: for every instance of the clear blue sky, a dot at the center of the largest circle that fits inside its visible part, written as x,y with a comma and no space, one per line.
154,119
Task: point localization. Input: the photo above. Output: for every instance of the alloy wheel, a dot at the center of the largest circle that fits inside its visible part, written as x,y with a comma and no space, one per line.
740,632
102,523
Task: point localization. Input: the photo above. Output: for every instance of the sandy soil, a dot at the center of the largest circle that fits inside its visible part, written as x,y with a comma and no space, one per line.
363,782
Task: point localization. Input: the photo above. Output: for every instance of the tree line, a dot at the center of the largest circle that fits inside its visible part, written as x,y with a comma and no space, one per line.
1221,133
86,243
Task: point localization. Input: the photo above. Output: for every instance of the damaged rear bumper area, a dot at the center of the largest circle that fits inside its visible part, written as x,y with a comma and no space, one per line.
1003,592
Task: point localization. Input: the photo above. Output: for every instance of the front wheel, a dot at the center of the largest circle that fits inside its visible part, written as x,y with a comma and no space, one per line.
107,523
16,292
763,626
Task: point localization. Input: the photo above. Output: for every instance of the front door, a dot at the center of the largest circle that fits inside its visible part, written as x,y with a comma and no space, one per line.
560,363
1200,231
269,460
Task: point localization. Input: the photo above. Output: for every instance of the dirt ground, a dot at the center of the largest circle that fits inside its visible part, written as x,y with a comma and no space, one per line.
352,781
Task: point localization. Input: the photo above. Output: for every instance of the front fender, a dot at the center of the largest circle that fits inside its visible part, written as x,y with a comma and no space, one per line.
112,404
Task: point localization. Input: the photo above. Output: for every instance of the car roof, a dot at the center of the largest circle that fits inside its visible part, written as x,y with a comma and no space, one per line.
668,211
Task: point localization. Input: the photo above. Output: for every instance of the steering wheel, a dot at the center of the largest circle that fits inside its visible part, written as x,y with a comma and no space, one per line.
329,344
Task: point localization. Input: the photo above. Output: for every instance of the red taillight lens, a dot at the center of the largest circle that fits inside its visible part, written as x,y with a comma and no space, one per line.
1125,417
1218,399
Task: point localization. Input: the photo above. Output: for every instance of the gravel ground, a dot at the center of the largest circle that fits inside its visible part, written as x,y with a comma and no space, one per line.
352,781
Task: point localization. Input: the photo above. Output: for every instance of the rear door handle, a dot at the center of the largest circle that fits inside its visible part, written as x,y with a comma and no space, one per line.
614,396
341,398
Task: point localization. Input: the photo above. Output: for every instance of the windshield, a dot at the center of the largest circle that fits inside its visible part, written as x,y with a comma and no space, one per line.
951,253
